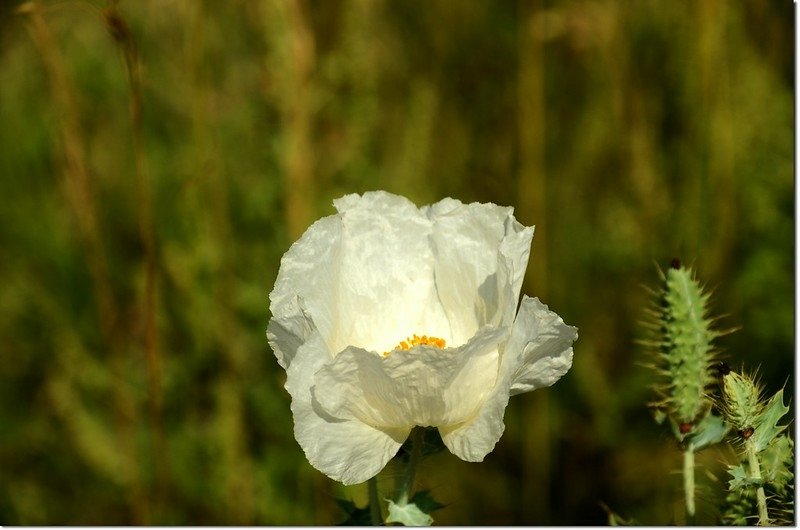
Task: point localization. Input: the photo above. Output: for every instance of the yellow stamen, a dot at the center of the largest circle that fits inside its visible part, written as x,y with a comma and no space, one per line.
416,340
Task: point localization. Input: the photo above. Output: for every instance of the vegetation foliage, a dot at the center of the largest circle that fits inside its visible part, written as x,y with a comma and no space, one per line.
158,157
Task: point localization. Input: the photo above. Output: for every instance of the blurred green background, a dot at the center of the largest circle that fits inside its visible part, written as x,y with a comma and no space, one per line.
159,156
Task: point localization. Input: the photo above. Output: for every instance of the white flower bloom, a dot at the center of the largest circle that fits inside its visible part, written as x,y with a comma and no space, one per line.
357,284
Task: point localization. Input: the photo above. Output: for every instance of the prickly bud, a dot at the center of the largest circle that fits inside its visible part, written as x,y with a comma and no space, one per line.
740,402
682,340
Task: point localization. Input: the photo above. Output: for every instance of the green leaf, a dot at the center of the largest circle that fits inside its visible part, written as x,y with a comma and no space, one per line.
767,424
408,515
739,477
675,428
355,516
741,481
426,502
711,430
659,415
431,444
739,508
615,519
416,512
776,463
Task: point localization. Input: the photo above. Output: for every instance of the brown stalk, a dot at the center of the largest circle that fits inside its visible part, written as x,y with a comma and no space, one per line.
230,432
74,178
532,208
76,185
120,31
297,118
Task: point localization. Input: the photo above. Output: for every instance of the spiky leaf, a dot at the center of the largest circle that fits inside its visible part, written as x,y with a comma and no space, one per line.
769,452
711,430
740,508
776,463
740,481
767,428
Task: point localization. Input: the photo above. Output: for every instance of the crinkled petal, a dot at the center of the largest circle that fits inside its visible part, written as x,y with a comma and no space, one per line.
481,253
348,451
305,289
515,249
386,288
547,356
287,333
538,351
447,269
423,386
360,281
366,276
376,202
345,449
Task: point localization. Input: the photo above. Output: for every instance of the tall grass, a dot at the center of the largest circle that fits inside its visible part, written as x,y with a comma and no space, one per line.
157,158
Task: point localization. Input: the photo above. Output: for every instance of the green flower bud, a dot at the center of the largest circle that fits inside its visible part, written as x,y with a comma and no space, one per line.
682,338
740,403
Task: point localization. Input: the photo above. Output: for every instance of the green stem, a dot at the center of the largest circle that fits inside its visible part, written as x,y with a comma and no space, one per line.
688,483
755,474
376,518
407,485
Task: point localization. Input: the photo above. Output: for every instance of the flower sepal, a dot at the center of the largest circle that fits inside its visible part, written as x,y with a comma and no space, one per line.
416,512
431,444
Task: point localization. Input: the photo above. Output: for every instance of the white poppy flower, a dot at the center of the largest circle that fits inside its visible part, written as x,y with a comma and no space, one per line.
353,289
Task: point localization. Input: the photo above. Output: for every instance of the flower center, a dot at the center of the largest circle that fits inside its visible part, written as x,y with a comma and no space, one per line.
416,340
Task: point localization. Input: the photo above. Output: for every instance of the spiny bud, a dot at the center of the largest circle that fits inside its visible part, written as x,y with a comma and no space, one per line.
741,402
683,342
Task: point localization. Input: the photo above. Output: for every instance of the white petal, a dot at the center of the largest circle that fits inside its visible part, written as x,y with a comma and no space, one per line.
365,275
473,440
305,288
345,449
386,289
516,249
376,201
287,333
360,281
423,386
538,351
547,356
481,253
